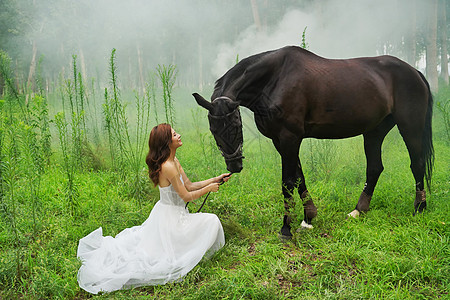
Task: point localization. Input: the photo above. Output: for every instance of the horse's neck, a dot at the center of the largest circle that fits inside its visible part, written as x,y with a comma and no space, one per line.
245,82
245,91
257,103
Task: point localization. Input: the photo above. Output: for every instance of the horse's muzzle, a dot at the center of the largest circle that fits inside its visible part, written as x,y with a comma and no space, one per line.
235,165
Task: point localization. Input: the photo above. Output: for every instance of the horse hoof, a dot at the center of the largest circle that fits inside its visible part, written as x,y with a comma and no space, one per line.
285,232
420,208
354,214
305,225
285,237
420,203
363,202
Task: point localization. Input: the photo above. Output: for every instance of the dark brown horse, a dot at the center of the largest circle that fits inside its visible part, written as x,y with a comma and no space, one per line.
295,94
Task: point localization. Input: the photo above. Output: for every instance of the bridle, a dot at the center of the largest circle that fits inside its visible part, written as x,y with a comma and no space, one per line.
233,156
231,117
236,154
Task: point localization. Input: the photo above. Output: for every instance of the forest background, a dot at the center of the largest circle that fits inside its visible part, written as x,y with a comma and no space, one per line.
82,83
203,38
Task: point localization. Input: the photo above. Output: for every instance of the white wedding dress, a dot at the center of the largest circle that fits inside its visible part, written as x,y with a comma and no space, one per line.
164,248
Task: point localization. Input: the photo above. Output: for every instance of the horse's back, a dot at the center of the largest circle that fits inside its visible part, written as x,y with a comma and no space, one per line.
325,98
340,98
408,87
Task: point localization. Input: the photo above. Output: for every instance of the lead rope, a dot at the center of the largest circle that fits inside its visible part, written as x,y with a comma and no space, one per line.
204,201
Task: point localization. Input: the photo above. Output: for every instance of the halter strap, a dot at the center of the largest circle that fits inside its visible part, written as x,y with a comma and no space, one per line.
223,116
222,97
232,156
235,155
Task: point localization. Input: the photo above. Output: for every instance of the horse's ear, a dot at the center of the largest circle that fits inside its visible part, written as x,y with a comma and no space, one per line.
202,101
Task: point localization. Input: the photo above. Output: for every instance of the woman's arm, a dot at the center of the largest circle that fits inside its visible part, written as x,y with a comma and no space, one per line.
170,171
193,186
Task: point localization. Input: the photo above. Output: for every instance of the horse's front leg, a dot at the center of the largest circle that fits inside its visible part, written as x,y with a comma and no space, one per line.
289,182
292,177
288,177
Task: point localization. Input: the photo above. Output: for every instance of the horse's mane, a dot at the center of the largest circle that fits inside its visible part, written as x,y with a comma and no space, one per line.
235,71
252,61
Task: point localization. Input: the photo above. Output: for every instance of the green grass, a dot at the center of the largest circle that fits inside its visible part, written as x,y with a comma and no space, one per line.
385,254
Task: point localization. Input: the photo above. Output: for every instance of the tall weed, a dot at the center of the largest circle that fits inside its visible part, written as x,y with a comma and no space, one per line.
151,94
320,155
32,163
197,114
69,161
443,106
126,147
116,122
304,44
167,76
2,155
138,146
10,173
7,74
38,119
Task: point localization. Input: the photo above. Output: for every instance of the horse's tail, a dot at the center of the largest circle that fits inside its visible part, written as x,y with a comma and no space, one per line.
427,139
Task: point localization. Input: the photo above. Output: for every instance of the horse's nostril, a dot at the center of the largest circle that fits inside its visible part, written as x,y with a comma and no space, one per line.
235,166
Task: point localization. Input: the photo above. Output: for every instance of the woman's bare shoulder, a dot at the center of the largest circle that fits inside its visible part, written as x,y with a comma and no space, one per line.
168,165
169,168
168,171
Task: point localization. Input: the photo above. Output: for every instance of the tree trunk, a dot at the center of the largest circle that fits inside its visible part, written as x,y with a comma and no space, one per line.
62,53
431,59
141,68
444,53
83,66
411,38
131,77
200,65
256,15
32,66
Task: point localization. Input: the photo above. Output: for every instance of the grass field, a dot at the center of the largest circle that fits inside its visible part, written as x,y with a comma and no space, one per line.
385,254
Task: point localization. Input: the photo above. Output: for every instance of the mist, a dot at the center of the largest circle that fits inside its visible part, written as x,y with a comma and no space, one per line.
335,29
205,38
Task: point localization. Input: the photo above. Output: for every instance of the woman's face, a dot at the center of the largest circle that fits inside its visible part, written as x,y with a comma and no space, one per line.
176,140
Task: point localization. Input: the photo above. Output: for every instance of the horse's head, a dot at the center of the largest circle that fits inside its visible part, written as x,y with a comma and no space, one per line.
226,126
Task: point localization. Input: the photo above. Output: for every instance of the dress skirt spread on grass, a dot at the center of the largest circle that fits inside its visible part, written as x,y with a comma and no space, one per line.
163,249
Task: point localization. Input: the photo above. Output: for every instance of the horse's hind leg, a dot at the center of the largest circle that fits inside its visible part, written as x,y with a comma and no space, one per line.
414,145
372,148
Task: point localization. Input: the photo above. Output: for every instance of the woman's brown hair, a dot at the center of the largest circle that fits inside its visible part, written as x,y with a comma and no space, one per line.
159,150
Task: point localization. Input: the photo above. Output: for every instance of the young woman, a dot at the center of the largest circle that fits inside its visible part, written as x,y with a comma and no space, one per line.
169,243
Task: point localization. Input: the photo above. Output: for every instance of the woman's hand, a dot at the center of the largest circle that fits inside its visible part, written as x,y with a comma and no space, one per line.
223,178
214,187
